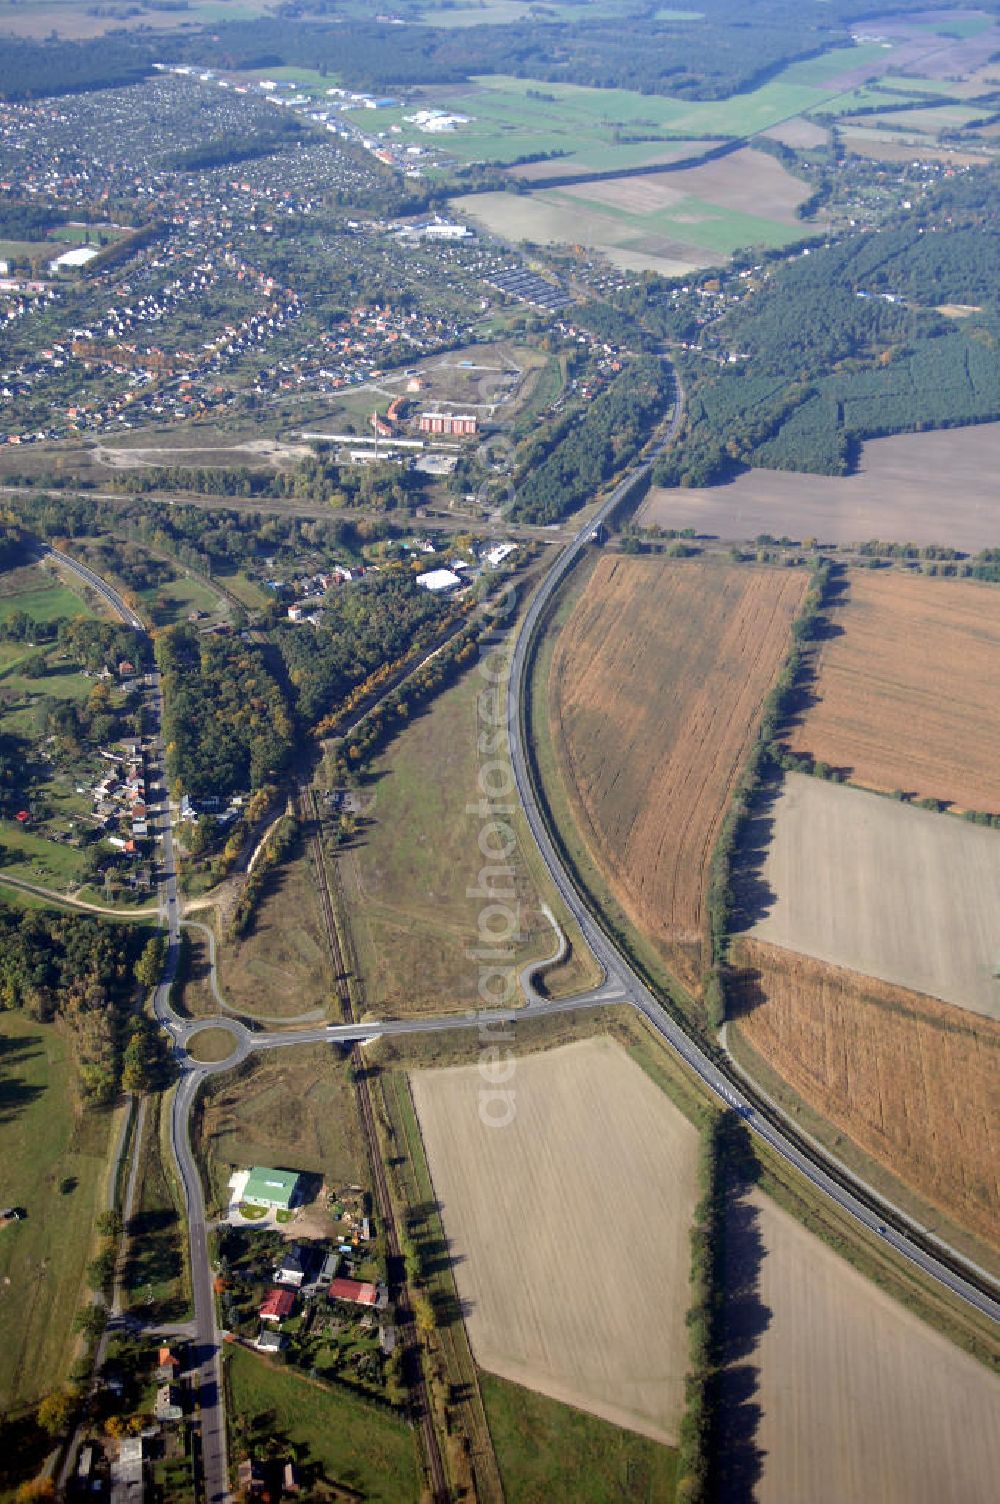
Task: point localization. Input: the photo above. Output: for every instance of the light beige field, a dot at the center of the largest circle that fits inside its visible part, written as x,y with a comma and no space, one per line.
748,181
882,146
892,891
569,1227
915,487
798,132
861,1402
908,695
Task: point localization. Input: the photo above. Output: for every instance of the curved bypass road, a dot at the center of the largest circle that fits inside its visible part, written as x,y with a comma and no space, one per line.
975,1285
621,986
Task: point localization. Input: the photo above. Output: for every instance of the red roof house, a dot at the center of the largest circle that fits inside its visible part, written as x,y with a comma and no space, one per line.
277,1305
353,1289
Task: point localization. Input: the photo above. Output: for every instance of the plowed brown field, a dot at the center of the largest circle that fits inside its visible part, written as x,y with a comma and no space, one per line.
912,1081
909,696
656,689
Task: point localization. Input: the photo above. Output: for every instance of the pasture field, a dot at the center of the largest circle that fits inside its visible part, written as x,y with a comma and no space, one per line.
282,969
411,878
910,1080
908,697
355,1444
687,217
155,1276
40,591
55,1159
915,487
295,1107
655,689
75,21
530,1203
895,892
549,1453
859,1399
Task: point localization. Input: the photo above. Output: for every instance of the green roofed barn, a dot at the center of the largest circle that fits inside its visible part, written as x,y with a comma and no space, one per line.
273,1188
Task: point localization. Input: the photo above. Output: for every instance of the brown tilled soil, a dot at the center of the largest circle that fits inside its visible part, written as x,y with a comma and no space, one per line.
656,688
910,1080
908,695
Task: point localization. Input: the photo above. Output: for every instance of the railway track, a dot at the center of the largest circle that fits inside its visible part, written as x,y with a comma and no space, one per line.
420,1399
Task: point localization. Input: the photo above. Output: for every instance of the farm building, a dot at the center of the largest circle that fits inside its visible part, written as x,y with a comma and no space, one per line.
459,424
355,1290
272,1188
276,1305
439,579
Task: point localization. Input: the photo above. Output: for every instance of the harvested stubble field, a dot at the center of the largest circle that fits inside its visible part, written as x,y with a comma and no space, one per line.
746,181
655,691
921,488
860,1400
910,1080
908,696
568,1227
903,894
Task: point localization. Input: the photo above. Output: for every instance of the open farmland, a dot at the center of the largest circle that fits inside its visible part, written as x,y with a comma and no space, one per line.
908,697
656,686
916,487
911,1081
568,1226
859,1399
899,893
663,221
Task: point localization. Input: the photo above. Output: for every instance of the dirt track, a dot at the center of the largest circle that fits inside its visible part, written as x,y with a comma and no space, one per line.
569,1227
861,1403
883,888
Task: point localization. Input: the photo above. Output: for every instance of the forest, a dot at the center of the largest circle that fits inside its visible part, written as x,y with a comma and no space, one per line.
227,723
374,622
79,970
721,51
845,344
593,446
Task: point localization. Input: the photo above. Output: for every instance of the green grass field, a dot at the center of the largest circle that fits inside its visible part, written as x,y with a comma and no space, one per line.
155,1277
552,1454
407,878
38,859
354,1444
177,599
295,1108
54,1161
38,592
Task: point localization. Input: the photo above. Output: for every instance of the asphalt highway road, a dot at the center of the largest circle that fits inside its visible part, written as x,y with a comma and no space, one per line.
722,1083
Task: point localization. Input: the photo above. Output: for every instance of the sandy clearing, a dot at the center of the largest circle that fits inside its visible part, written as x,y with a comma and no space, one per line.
862,1403
749,181
908,696
883,888
922,488
569,1227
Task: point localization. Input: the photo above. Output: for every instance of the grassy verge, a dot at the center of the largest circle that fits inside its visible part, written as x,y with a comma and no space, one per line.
54,1156
333,1436
156,1280
552,1454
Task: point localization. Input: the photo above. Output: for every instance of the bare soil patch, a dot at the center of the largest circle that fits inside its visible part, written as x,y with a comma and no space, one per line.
899,893
748,181
910,1080
656,688
908,696
922,487
860,1400
568,1227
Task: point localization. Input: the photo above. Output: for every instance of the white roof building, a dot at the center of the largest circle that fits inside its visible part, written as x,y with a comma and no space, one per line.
78,256
439,579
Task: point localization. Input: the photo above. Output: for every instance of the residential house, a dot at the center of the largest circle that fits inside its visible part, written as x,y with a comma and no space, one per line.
277,1304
